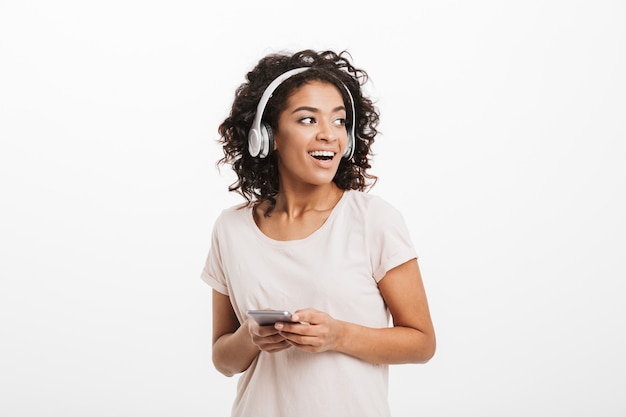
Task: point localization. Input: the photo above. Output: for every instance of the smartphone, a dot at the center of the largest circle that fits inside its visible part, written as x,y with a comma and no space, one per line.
269,317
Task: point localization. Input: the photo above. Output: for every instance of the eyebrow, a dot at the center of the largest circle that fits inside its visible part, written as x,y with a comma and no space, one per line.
316,110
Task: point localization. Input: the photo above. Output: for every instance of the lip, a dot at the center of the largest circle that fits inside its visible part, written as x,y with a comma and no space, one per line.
323,150
323,163
333,151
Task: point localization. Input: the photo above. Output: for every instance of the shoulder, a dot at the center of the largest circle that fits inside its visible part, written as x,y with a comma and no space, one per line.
370,204
232,215
377,215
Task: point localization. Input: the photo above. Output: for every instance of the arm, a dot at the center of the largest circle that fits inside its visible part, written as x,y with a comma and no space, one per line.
410,340
236,345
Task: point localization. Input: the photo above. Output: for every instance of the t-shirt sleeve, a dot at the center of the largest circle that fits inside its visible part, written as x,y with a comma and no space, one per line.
213,272
390,241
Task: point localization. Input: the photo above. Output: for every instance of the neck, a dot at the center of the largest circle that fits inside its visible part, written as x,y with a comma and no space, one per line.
297,202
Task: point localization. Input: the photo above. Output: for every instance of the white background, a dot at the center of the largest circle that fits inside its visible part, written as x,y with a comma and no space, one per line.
503,143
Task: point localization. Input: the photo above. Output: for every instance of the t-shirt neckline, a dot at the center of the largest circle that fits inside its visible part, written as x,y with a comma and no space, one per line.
313,235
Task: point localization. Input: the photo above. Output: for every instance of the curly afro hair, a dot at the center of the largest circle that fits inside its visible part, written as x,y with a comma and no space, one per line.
257,178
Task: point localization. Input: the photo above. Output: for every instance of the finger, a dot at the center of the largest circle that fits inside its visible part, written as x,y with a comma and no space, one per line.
265,331
307,343
301,329
267,340
276,347
307,315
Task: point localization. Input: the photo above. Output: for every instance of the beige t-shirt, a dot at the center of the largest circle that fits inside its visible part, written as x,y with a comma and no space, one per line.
336,270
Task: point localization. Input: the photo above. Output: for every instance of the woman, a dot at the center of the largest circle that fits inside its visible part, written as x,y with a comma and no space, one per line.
311,241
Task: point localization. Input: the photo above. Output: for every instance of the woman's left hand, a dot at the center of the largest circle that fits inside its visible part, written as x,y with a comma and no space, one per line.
316,331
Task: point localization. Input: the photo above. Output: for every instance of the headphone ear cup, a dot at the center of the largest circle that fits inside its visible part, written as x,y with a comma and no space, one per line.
349,151
254,142
267,140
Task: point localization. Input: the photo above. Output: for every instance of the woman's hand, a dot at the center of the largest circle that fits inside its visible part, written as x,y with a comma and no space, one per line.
266,338
316,331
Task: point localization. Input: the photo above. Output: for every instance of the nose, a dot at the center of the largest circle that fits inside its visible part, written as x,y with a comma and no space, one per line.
327,132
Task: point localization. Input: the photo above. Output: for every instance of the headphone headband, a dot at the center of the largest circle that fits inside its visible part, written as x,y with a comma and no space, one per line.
260,137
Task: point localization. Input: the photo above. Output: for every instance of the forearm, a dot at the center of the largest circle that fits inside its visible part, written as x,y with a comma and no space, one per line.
393,345
234,352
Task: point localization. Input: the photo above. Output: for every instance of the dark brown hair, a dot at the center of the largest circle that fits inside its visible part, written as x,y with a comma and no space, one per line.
257,178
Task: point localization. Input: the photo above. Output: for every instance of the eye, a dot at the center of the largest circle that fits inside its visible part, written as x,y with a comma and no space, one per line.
307,120
340,122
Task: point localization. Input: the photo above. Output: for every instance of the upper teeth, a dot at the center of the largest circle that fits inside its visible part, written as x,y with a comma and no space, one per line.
322,153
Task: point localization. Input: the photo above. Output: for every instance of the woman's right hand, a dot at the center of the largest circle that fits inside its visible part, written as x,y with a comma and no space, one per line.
266,338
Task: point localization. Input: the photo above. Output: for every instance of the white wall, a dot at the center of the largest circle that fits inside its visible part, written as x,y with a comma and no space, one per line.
503,142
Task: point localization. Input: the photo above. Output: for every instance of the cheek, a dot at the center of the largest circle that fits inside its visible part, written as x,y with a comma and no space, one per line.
290,141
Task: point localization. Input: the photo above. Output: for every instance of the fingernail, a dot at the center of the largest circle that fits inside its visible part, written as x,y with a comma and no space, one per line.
295,317
278,326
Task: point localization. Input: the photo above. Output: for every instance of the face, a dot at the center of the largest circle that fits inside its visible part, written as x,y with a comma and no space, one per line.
311,135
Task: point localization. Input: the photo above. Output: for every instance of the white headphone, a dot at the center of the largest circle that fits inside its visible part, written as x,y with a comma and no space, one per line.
260,136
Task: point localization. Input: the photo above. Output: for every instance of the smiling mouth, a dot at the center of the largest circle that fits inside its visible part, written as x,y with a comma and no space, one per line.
322,155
